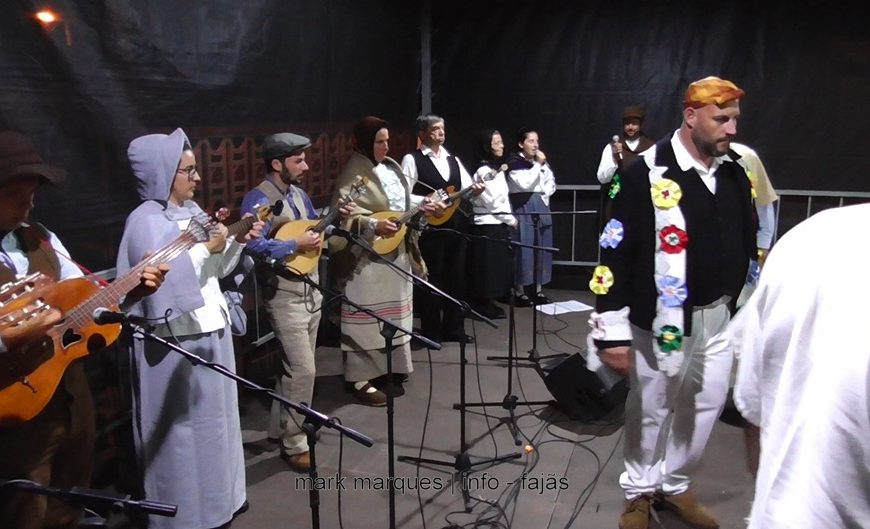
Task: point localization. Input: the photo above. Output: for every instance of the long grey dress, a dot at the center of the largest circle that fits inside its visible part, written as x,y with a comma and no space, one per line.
185,418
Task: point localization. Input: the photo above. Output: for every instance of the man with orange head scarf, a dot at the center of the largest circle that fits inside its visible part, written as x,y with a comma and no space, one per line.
675,254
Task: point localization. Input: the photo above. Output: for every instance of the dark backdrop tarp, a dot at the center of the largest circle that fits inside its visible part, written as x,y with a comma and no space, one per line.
239,70
116,69
569,68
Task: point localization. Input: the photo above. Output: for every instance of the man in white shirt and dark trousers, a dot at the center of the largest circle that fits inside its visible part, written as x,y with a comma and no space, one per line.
429,168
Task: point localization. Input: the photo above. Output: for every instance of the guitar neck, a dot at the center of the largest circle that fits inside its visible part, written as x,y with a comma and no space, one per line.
325,221
109,296
462,194
242,226
329,218
408,215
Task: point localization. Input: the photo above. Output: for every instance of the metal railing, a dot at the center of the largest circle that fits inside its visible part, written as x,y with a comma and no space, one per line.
580,243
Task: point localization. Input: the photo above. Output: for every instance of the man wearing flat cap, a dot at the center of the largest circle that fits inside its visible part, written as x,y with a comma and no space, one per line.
626,146
675,253
292,305
55,448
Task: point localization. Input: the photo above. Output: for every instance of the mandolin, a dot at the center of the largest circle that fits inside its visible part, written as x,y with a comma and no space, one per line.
30,374
385,245
304,262
454,198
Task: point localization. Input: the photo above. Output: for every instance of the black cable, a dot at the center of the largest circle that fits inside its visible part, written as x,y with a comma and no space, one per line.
594,483
423,437
489,427
557,334
340,461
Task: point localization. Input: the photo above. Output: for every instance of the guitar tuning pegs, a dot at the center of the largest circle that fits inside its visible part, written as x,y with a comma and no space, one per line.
222,214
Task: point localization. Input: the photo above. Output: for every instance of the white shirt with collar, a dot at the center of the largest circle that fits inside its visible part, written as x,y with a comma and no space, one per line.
607,167
539,178
441,162
686,161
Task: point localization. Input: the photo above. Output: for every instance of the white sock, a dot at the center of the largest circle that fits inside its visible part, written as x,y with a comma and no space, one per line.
359,385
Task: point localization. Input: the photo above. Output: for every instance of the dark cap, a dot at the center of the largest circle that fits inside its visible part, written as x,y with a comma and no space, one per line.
18,157
284,144
634,112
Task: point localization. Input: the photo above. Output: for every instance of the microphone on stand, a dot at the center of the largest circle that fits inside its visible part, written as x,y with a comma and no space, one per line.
338,232
104,316
615,141
275,265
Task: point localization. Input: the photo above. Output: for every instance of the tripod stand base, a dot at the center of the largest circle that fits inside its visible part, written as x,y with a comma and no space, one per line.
534,357
510,403
461,465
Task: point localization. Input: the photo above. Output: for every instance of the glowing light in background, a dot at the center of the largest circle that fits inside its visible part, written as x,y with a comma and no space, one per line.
51,19
47,17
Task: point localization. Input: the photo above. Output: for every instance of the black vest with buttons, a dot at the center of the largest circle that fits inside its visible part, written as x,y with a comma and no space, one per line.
428,174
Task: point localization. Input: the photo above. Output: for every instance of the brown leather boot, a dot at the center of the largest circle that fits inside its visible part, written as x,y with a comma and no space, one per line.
300,462
687,507
636,513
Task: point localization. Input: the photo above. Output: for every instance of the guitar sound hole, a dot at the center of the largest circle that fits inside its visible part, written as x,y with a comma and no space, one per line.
69,338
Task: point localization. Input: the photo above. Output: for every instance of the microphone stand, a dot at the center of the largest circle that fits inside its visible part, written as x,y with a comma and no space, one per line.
510,401
533,356
313,418
388,331
461,463
79,496
537,269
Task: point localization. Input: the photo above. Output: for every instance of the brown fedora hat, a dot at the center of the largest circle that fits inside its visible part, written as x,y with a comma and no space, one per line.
18,157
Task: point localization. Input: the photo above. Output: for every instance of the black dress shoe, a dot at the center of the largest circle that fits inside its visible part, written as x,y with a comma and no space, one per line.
522,301
458,337
491,311
396,390
541,299
382,383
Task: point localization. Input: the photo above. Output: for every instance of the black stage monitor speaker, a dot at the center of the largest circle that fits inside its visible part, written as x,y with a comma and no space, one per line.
579,393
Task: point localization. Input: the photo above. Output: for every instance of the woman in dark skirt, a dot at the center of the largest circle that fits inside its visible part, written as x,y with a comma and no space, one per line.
531,183
491,265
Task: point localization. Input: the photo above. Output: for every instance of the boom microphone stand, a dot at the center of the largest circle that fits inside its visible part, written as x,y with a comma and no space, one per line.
461,463
119,503
533,356
313,418
388,331
510,401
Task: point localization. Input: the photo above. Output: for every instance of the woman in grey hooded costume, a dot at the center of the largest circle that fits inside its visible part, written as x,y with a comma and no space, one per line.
185,418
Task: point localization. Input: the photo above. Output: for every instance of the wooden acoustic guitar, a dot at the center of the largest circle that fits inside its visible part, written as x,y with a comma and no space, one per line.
385,245
454,198
30,374
305,262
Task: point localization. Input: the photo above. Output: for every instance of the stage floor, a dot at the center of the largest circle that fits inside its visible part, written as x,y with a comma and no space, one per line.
569,479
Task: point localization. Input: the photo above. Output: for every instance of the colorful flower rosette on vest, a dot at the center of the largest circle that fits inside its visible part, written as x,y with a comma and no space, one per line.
670,271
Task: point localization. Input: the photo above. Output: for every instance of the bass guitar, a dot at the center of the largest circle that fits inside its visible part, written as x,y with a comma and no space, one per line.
454,198
31,373
304,262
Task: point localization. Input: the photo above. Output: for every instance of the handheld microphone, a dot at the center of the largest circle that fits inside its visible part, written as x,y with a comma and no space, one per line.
104,316
615,141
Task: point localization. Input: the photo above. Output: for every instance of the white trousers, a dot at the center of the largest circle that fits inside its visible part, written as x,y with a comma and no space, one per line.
668,420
